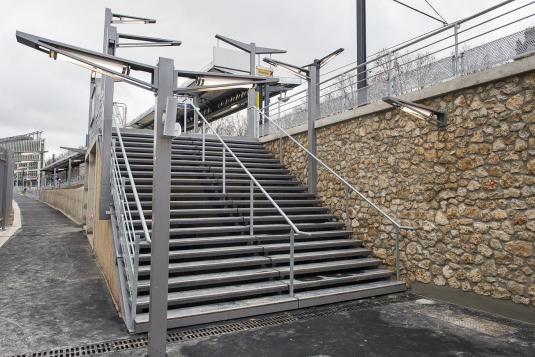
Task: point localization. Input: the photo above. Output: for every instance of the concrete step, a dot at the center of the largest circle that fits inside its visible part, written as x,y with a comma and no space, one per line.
256,306
205,279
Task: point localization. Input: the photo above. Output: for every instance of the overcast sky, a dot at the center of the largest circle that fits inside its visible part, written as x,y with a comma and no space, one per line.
39,94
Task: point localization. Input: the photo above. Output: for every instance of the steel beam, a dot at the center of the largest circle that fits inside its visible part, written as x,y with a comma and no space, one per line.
251,94
161,189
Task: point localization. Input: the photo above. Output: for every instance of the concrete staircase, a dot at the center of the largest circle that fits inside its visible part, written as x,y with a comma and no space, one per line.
217,270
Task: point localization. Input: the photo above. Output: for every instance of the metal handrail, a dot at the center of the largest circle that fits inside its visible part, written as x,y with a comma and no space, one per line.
133,185
286,218
397,225
386,215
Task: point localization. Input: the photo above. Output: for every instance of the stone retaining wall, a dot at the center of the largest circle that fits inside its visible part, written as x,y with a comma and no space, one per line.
470,190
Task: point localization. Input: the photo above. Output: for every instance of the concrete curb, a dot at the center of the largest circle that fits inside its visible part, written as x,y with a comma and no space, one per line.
6,235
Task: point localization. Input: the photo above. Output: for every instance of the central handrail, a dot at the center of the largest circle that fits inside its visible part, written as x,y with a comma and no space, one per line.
286,218
344,181
133,185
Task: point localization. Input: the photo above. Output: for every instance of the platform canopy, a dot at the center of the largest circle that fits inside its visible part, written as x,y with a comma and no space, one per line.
221,103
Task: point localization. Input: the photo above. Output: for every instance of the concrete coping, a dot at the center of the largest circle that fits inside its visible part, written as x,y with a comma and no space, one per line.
6,235
521,65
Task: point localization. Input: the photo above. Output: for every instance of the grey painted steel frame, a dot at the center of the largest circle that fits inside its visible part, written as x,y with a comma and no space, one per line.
166,83
110,41
7,165
313,94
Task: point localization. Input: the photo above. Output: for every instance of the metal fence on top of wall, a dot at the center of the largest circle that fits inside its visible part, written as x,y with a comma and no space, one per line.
464,47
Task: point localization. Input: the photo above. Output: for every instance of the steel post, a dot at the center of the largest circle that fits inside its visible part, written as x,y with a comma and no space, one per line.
292,242
110,41
397,253
251,208
224,157
456,58
161,189
362,95
346,203
203,141
251,95
195,115
313,114
69,172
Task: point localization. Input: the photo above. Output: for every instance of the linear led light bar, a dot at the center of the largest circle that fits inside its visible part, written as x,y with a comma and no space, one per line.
420,111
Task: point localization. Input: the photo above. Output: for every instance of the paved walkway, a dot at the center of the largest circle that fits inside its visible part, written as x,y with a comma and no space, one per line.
51,291
52,297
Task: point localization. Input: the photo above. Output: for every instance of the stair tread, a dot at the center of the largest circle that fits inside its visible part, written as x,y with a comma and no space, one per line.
306,268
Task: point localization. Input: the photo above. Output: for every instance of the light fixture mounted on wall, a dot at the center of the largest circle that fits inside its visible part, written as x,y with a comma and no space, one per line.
420,111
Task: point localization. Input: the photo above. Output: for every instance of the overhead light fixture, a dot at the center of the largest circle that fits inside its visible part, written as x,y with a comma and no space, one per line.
213,81
127,19
420,111
301,72
115,67
330,57
145,41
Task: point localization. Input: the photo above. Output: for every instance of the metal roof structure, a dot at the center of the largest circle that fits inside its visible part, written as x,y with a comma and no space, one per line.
217,104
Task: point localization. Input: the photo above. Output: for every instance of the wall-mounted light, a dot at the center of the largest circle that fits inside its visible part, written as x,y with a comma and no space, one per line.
420,111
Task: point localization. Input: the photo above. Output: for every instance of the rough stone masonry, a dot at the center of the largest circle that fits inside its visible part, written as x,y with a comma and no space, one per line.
470,190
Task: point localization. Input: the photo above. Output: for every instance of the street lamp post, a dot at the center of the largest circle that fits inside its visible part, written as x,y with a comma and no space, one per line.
311,73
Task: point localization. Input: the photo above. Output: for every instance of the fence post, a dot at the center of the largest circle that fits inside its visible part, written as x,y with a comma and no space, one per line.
456,58
390,75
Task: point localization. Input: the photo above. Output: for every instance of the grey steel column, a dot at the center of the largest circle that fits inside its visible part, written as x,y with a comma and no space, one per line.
362,95
69,172
195,114
251,95
161,188
313,114
110,40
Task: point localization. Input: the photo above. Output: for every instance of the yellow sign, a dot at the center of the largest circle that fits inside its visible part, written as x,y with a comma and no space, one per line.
263,71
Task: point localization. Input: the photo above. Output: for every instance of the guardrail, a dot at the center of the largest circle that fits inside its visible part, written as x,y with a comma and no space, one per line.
462,47
347,186
128,243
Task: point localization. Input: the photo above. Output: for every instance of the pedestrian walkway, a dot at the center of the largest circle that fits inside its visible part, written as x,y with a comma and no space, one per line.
51,291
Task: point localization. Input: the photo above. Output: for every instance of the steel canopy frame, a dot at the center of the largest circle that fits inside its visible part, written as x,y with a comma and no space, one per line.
253,50
310,72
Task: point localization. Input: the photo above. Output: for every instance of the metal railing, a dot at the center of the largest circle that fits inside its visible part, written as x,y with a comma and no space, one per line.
462,47
347,186
253,182
128,245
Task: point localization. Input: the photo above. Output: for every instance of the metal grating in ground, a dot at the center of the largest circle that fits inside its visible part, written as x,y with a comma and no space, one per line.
201,332
480,325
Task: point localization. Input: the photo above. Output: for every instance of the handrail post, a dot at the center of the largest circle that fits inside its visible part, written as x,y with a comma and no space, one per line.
397,253
346,204
203,140
281,150
292,241
251,208
224,171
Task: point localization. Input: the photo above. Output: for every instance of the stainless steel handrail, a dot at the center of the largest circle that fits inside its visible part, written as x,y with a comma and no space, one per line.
397,225
386,215
286,218
133,185
293,228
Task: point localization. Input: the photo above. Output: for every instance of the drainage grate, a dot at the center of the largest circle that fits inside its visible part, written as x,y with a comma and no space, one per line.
204,332
480,325
86,350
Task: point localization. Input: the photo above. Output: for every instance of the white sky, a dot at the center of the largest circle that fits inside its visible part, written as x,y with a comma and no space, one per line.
40,94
